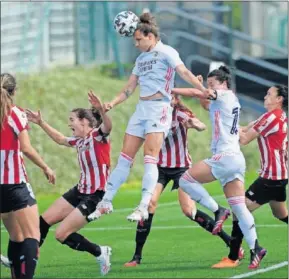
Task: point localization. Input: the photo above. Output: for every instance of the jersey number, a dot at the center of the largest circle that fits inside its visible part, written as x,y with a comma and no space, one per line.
234,129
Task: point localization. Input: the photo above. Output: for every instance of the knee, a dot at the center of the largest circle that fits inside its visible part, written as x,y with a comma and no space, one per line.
124,161
29,232
189,211
279,216
60,235
16,236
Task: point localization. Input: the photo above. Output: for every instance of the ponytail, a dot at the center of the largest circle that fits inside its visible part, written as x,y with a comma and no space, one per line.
6,96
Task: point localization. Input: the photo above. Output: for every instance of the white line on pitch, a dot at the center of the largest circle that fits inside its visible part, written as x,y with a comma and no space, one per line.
164,227
263,270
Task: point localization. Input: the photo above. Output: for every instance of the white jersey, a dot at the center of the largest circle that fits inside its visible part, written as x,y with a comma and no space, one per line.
156,70
224,115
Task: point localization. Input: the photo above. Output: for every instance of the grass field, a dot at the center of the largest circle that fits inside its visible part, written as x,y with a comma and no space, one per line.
176,247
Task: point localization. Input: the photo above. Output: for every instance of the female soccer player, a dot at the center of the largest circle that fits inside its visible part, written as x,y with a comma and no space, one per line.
174,160
270,187
90,128
224,111
18,205
154,71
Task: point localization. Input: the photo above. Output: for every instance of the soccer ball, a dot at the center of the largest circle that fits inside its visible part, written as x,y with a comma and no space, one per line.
125,23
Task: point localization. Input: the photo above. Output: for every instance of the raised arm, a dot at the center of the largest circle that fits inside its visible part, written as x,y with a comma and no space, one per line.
106,125
189,92
36,118
247,128
128,89
195,123
248,136
189,77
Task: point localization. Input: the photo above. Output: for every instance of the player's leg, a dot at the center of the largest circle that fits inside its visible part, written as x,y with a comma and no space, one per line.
254,199
15,243
279,205
190,183
21,205
119,175
61,208
204,220
235,194
279,210
132,142
144,227
66,233
256,196
28,220
152,146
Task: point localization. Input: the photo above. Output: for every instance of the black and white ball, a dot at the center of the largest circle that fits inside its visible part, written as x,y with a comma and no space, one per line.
125,23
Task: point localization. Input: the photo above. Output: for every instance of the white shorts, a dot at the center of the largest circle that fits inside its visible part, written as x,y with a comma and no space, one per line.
227,166
150,117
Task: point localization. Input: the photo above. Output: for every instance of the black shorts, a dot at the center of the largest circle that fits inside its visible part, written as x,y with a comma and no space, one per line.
265,190
16,196
86,203
168,174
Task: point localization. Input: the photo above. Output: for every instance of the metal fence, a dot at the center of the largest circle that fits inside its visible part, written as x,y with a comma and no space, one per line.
38,35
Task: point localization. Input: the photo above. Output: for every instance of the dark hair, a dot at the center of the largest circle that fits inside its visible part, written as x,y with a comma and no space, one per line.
222,74
147,24
8,86
282,91
92,115
181,106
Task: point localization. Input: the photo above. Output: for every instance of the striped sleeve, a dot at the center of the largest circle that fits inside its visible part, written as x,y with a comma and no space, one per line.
99,135
183,115
18,120
73,141
267,124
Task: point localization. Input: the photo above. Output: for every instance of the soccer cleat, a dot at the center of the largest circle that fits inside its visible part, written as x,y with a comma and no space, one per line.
5,261
257,255
134,262
104,259
103,207
220,217
139,214
241,254
226,263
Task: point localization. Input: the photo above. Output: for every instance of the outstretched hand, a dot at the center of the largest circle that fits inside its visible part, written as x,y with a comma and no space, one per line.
50,175
94,100
34,117
188,123
107,106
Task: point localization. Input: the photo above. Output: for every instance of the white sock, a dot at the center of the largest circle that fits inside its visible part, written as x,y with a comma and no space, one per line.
197,192
118,176
245,218
150,179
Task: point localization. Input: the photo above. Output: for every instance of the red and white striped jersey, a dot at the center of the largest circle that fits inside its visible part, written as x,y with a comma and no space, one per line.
174,152
12,163
273,144
94,160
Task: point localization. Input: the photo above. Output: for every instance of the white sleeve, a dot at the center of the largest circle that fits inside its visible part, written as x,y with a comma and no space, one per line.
224,96
173,57
135,69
